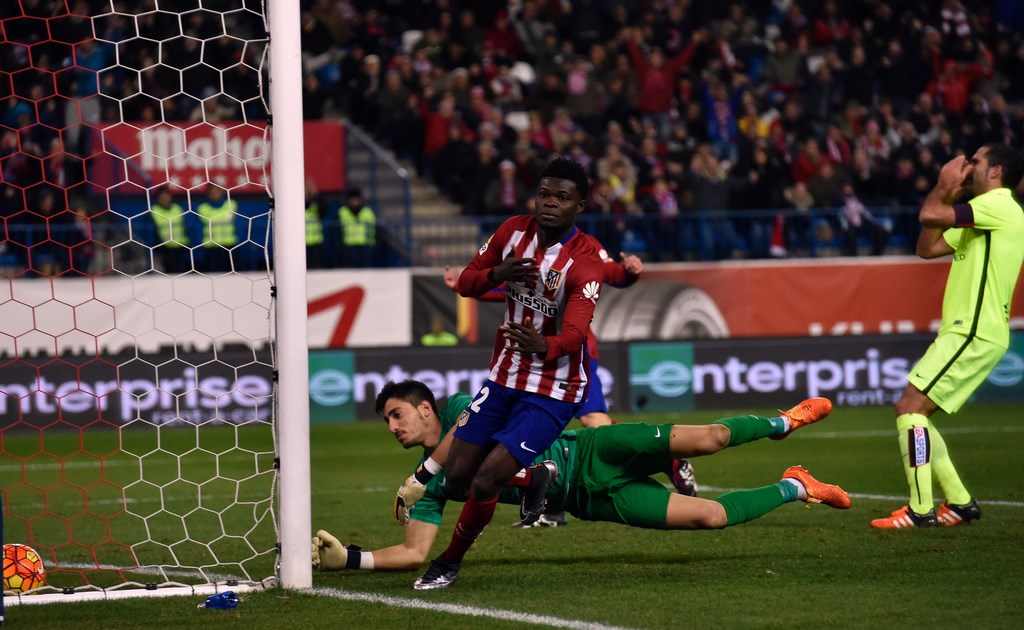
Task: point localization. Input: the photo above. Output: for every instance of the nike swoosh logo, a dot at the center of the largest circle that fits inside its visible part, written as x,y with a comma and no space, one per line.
523,446
657,432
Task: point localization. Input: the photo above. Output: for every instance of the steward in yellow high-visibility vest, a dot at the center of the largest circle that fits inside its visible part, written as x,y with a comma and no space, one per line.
314,228
172,234
219,233
316,257
358,230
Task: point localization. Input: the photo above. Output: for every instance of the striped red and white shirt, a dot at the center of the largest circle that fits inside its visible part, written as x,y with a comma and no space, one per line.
561,305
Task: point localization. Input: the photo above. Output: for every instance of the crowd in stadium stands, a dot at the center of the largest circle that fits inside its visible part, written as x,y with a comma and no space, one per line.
62,75
675,108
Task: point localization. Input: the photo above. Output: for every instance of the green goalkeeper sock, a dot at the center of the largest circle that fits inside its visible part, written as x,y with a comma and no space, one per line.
745,429
916,449
746,505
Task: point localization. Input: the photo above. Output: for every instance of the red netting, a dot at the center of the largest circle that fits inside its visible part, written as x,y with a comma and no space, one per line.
135,367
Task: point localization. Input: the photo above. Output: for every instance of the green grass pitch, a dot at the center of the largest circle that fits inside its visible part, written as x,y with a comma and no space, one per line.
797,567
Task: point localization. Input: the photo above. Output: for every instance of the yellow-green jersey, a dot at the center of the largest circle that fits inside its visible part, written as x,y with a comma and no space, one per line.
988,244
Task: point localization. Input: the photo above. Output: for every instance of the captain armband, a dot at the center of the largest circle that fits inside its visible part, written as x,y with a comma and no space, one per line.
963,214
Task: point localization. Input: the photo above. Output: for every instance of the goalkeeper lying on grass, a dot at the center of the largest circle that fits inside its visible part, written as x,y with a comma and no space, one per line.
598,474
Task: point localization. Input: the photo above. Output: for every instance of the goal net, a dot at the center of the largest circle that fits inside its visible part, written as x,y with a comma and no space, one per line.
137,376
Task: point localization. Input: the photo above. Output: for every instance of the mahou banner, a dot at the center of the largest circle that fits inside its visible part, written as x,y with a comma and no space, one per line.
190,154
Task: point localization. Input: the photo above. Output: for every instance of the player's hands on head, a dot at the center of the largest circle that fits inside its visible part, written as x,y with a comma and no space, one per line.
524,337
409,493
520,270
954,173
328,552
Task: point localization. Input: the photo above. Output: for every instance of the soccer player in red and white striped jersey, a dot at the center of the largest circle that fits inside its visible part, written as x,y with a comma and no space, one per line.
539,367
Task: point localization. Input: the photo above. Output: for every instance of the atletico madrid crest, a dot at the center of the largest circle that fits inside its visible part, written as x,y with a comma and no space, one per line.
553,279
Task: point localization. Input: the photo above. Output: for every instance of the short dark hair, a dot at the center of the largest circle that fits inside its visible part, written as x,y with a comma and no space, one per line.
1009,159
412,392
567,168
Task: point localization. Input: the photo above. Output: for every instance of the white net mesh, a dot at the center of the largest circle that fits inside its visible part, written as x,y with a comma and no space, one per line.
137,381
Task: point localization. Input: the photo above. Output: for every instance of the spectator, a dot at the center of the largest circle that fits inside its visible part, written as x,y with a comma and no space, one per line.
622,186
826,185
721,102
799,235
873,143
479,175
437,130
656,77
858,78
454,163
855,221
663,204
711,188
582,93
505,196
783,68
503,37
809,160
758,194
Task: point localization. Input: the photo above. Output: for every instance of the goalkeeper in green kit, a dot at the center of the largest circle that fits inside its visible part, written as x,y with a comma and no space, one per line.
597,474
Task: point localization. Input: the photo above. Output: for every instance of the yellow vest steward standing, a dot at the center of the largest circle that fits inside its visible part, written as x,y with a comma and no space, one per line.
314,229
170,225
219,224
358,228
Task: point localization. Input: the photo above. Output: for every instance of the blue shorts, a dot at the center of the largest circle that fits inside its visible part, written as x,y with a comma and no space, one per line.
525,422
595,393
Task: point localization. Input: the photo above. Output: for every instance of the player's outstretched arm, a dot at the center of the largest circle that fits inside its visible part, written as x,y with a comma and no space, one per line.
329,554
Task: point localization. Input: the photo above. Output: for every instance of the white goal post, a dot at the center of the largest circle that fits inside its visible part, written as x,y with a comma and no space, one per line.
290,271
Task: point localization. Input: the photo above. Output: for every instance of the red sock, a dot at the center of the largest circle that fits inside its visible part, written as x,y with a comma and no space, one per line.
473,519
521,479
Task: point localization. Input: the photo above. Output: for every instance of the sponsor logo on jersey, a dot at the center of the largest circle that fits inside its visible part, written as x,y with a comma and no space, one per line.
553,279
530,299
592,291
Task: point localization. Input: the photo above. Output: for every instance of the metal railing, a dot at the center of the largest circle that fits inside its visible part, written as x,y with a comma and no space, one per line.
387,187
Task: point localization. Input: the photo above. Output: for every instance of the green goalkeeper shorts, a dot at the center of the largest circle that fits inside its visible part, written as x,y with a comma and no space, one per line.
953,367
612,476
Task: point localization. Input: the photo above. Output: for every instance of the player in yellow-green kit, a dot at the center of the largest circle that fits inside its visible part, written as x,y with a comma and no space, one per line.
985,235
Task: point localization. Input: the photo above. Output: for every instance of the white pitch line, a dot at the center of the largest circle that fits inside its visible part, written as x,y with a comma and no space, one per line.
458,609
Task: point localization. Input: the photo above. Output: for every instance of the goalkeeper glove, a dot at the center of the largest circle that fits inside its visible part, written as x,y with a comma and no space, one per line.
330,555
413,489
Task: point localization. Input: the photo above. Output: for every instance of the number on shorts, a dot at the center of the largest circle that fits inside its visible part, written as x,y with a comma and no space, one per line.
479,400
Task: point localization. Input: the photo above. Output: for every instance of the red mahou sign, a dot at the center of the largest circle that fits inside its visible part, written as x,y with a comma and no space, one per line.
133,156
